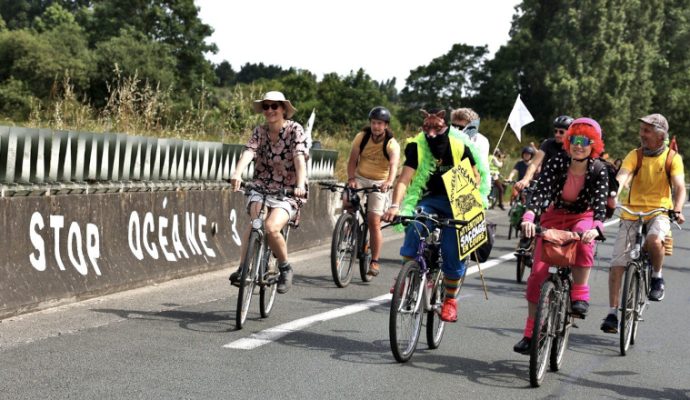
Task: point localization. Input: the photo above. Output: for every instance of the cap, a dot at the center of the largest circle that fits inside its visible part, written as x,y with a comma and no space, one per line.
657,120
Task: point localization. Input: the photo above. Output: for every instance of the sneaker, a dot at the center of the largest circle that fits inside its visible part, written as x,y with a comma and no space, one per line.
285,279
610,324
522,347
657,292
449,310
373,268
580,307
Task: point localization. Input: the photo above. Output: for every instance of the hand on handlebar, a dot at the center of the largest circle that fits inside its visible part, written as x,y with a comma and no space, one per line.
521,184
588,236
680,218
528,228
385,186
235,183
390,214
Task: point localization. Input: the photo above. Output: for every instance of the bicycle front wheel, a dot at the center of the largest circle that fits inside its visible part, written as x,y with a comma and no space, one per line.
434,325
364,253
405,320
562,331
267,292
543,332
343,249
247,278
629,305
520,268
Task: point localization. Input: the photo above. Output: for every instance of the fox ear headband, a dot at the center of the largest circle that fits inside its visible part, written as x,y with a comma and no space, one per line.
434,120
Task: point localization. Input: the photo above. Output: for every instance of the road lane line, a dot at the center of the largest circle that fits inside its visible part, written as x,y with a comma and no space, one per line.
272,334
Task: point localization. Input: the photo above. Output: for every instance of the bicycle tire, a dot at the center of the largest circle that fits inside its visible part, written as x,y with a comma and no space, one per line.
267,293
560,344
434,325
628,306
542,336
641,302
343,249
405,321
247,279
364,253
520,268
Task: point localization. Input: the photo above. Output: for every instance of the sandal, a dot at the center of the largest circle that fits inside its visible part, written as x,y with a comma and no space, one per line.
373,268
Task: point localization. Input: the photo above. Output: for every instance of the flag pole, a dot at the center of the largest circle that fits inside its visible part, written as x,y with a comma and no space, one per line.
501,137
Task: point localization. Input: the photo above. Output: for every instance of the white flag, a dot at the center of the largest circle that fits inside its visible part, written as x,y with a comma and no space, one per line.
519,117
310,125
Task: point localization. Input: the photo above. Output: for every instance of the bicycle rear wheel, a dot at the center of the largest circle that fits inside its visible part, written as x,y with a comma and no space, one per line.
247,278
343,249
562,331
628,306
364,253
542,336
267,292
434,325
405,321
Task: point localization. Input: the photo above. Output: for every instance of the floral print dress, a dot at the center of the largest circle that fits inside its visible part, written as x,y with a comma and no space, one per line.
274,165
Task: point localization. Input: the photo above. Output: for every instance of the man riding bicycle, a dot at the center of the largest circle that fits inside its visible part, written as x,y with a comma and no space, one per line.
279,149
430,154
520,169
549,148
652,185
374,161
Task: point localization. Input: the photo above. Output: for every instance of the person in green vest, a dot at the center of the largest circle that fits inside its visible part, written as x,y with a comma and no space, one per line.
428,155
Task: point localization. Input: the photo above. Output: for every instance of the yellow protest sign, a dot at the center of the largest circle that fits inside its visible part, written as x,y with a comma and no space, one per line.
466,204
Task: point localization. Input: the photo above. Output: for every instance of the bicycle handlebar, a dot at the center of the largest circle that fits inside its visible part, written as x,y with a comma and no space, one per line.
247,186
333,187
444,222
539,231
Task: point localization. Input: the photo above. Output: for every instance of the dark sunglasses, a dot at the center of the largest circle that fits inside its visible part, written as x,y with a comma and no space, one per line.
580,140
561,131
458,126
272,106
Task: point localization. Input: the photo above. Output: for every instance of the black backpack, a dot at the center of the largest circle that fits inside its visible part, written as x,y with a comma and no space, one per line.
367,136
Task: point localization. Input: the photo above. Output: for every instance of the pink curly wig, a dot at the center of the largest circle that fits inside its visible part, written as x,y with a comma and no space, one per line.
589,128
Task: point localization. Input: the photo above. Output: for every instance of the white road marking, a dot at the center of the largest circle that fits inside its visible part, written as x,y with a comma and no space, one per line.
272,334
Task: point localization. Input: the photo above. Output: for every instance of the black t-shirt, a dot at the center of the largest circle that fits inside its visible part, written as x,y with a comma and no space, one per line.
551,147
441,151
521,167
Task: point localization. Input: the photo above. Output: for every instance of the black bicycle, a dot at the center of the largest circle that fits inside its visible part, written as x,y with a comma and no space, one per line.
552,322
419,288
350,236
259,266
524,253
637,281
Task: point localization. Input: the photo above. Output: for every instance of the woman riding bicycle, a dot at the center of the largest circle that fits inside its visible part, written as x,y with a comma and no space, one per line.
578,197
280,150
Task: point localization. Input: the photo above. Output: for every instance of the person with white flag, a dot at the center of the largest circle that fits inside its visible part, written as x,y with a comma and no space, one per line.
548,149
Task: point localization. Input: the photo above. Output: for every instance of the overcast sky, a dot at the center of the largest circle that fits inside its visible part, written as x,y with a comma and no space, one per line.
386,38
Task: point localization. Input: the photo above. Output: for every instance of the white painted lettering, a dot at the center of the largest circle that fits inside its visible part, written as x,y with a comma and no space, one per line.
233,226
38,262
163,240
134,235
74,240
189,233
176,241
93,248
149,227
202,235
57,222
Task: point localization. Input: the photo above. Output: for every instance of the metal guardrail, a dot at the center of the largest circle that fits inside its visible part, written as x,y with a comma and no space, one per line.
43,161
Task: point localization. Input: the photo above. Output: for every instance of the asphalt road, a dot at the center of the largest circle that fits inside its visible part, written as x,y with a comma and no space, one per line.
178,341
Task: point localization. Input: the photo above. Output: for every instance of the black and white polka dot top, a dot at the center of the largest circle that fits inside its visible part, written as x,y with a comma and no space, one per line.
552,179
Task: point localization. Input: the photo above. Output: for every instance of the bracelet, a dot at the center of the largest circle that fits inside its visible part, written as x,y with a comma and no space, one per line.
394,206
350,179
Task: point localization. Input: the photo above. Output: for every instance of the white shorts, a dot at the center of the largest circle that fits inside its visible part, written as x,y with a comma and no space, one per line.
272,202
658,226
377,201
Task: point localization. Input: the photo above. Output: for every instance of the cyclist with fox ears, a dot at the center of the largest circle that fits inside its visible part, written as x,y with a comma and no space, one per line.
430,154
280,150
576,186
374,161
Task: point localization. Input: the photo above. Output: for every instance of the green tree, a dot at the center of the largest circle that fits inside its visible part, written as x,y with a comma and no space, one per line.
253,72
448,80
225,75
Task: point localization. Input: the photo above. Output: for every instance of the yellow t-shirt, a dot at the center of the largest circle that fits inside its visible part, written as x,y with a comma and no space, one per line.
650,188
373,164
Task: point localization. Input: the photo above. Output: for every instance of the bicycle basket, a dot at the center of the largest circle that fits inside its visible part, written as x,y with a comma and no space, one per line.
559,247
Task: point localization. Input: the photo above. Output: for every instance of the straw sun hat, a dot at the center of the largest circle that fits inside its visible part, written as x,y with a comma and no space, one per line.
276,97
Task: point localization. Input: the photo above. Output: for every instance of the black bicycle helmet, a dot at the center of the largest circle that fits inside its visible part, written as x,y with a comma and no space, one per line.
528,149
562,122
380,113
